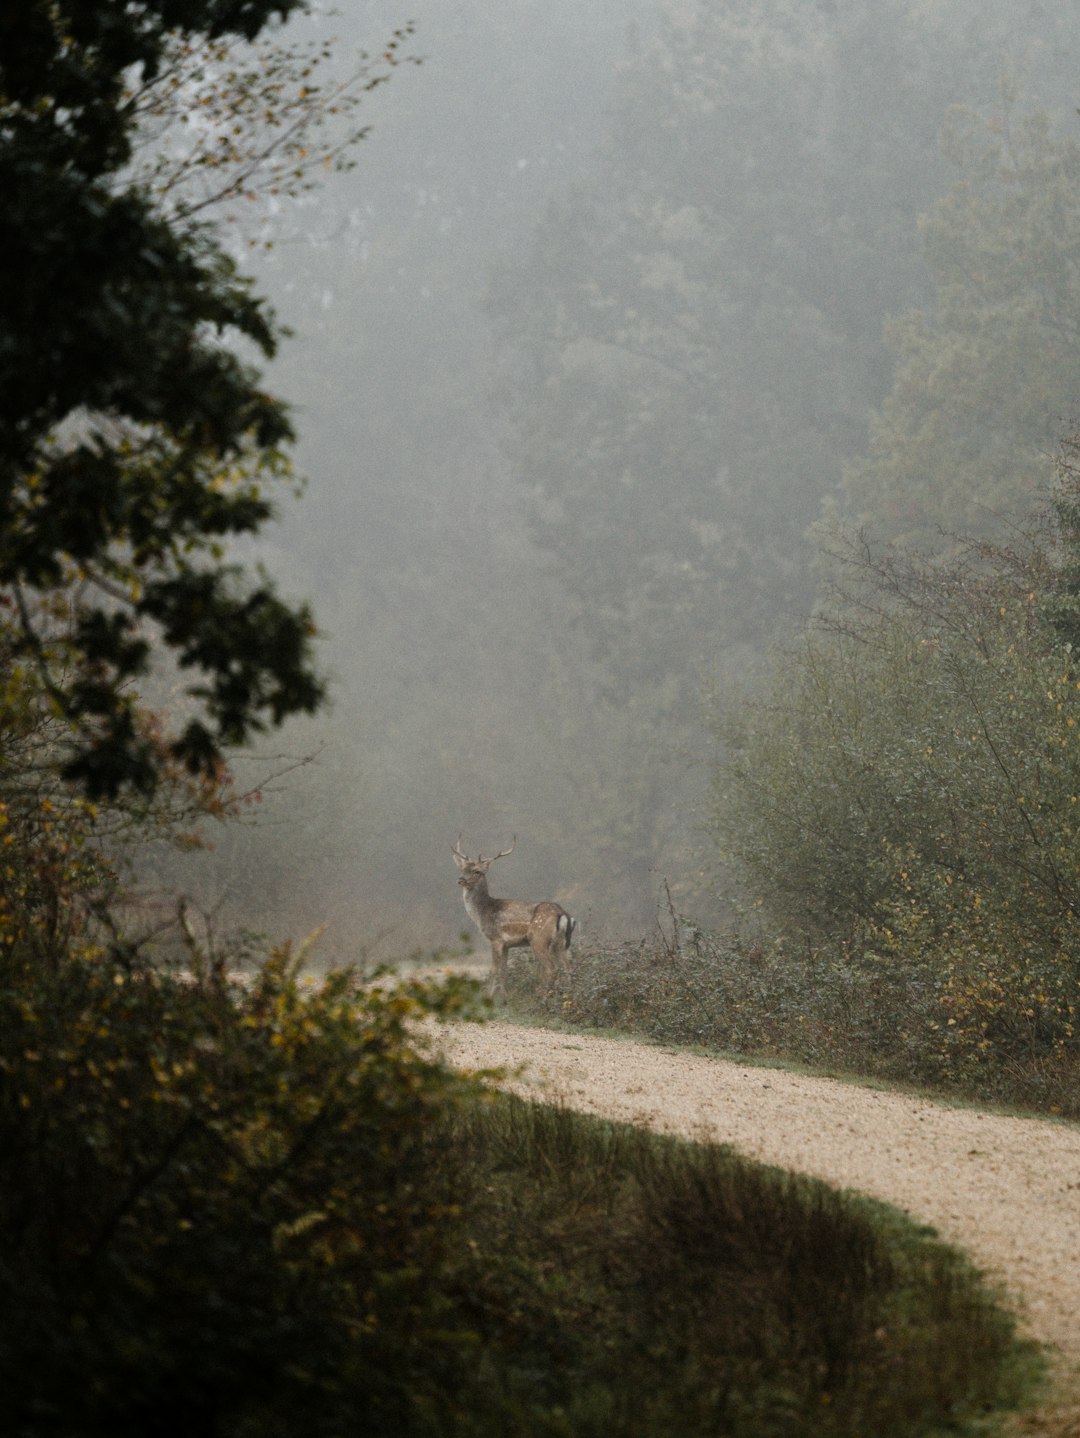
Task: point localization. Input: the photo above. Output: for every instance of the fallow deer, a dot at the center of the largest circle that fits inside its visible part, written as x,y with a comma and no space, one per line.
511,923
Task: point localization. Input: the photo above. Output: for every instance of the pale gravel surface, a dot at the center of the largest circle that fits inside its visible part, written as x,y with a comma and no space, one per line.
1007,1190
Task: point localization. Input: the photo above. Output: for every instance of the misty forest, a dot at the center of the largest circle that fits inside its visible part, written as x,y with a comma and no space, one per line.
642,434
616,306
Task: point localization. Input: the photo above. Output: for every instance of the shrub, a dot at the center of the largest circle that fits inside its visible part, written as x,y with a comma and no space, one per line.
909,792
225,1204
935,1014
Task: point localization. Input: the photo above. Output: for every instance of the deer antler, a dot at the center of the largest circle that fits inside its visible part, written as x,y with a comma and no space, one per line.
464,858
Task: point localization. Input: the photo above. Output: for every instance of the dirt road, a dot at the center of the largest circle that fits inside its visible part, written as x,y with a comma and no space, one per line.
1007,1190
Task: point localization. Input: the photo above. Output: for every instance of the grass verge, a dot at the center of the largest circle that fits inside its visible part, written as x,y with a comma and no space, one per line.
625,1282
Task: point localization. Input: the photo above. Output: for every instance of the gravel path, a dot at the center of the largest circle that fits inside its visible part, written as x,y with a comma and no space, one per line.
1005,1189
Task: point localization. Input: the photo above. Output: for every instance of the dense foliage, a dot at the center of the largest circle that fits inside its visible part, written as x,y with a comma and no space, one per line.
224,1209
908,791
134,442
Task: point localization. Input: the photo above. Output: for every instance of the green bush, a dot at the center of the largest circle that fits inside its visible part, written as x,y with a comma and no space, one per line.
908,791
845,1008
224,1205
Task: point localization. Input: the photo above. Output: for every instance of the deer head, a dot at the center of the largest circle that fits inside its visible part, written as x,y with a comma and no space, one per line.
473,870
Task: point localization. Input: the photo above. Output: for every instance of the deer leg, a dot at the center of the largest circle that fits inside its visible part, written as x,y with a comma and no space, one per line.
547,964
497,981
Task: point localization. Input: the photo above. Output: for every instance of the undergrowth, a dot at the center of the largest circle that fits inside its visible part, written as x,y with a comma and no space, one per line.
262,1210
844,1008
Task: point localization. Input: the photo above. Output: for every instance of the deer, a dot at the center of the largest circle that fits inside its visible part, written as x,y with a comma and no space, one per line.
512,923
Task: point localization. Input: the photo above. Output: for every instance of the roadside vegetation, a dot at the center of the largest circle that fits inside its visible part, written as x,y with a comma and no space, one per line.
638,1284
899,805
843,1010
261,1207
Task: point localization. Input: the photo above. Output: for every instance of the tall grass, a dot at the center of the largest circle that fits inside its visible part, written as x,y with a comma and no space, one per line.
626,1283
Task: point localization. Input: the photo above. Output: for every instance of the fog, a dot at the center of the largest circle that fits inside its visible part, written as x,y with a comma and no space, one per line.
580,348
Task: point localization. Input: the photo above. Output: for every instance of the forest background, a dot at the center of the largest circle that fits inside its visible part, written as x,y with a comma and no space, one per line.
616,309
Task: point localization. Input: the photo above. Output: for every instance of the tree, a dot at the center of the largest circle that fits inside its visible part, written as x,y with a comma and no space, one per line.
691,347
908,785
134,440
988,374
693,343
1062,605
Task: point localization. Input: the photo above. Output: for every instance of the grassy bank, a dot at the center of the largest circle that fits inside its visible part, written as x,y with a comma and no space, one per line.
628,1283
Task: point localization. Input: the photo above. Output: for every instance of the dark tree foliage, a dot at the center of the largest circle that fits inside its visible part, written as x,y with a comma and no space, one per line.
133,440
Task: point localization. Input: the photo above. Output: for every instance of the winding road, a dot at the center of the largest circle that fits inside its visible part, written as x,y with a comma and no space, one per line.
1005,1189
